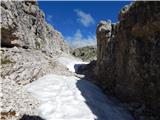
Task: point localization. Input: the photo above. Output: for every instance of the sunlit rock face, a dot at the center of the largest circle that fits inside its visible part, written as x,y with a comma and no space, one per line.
128,57
29,48
23,24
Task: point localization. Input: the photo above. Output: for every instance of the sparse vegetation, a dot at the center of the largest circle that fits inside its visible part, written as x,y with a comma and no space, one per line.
6,61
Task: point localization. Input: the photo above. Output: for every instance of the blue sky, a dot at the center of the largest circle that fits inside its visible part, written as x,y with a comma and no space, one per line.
77,20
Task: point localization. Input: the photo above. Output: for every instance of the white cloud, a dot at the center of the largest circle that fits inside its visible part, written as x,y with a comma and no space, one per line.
84,18
78,40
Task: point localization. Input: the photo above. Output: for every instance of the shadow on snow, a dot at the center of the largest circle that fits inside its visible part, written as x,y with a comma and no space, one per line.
102,106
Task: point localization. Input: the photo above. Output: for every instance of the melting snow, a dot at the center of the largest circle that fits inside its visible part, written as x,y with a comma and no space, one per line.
70,98
70,61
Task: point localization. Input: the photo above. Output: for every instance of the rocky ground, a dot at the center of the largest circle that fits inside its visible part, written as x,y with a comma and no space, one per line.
16,101
18,68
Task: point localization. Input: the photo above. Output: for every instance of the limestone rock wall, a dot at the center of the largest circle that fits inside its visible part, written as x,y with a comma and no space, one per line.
128,60
23,24
29,50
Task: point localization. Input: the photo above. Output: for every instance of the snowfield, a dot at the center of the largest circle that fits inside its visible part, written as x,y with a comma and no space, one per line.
72,98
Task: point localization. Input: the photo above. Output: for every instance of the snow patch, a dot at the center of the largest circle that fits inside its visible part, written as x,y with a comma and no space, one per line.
60,97
70,62
69,98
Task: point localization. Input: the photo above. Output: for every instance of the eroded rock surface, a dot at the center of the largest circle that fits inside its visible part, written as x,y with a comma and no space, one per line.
128,61
29,50
20,67
23,24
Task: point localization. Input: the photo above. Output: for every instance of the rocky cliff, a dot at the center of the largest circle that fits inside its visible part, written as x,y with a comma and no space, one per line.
87,53
23,25
27,41
128,59
29,48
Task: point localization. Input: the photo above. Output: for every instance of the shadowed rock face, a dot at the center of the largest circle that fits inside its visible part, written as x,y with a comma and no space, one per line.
103,38
104,49
128,60
23,25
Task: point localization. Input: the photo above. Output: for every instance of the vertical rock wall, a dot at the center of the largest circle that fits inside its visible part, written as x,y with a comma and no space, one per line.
128,60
